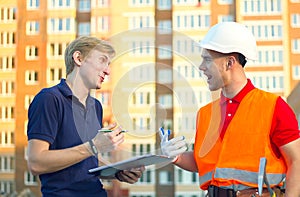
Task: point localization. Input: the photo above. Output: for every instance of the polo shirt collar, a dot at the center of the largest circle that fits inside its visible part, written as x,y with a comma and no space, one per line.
239,97
64,88
67,92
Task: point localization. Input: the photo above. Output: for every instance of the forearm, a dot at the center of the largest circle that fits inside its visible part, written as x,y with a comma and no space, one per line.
46,161
293,180
291,154
186,161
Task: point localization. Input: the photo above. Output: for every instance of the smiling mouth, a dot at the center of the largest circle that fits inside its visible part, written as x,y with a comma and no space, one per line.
208,77
101,79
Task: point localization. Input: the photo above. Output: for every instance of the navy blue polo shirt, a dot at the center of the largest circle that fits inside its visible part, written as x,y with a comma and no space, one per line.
56,116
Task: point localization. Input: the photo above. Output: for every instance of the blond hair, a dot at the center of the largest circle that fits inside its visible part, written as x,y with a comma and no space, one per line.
85,44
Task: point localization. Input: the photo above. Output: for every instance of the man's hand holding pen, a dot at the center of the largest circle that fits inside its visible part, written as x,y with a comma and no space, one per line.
107,139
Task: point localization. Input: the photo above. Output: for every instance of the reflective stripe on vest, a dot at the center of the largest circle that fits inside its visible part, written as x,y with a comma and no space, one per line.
246,176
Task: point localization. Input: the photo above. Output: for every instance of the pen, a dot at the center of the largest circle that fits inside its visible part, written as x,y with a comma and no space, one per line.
108,130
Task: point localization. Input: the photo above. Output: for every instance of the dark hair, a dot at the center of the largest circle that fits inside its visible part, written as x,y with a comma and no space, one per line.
242,59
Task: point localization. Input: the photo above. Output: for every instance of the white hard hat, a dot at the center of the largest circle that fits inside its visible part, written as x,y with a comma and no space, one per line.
229,37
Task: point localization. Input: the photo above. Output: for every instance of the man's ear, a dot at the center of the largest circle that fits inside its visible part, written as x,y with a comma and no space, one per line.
230,62
77,58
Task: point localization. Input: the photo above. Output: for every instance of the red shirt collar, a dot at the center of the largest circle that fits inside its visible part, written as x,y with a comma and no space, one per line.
239,97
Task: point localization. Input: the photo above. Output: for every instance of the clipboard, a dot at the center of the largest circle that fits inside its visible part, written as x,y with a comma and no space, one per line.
109,171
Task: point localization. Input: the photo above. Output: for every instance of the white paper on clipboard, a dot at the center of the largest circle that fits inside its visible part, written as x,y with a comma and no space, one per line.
110,170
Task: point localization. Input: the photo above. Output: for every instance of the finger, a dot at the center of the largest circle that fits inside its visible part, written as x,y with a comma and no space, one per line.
111,126
141,168
116,131
118,139
177,145
161,132
178,151
181,144
169,132
171,148
128,177
176,139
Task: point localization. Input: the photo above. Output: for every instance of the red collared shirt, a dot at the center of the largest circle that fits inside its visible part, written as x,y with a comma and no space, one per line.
284,127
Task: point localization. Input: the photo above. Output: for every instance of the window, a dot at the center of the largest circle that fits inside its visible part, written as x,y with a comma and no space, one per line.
296,45
165,76
165,52
141,124
141,98
7,113
164,178
187,71
147,177
140,3
30,179
7,138
7,163
142,149
225,1
59,4
84,5
261,7
225,18
141,47
166,100
31,77
189,2
100,24
7,38
32,52
164,27
33,4
60,25
185,46
7,63
271,31
296,72
272,82
295,20
84,29
103,97
7,187
56,50
269,56
143,72
100,3
164,4
7,14
191,20
142,20
28,100
185,177
32,27
7,88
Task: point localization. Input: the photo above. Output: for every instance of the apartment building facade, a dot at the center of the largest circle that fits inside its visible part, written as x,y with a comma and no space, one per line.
155,79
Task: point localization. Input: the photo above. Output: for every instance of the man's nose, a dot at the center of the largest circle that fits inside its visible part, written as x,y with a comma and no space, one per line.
107,70
202,66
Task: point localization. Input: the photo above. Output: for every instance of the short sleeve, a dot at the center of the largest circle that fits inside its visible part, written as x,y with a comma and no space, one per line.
284,125
43,117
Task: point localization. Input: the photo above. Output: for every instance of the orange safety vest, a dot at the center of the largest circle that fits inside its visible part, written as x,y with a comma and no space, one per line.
234,161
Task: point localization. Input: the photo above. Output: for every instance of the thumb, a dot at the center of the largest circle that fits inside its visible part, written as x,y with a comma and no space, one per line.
165,137
161,133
